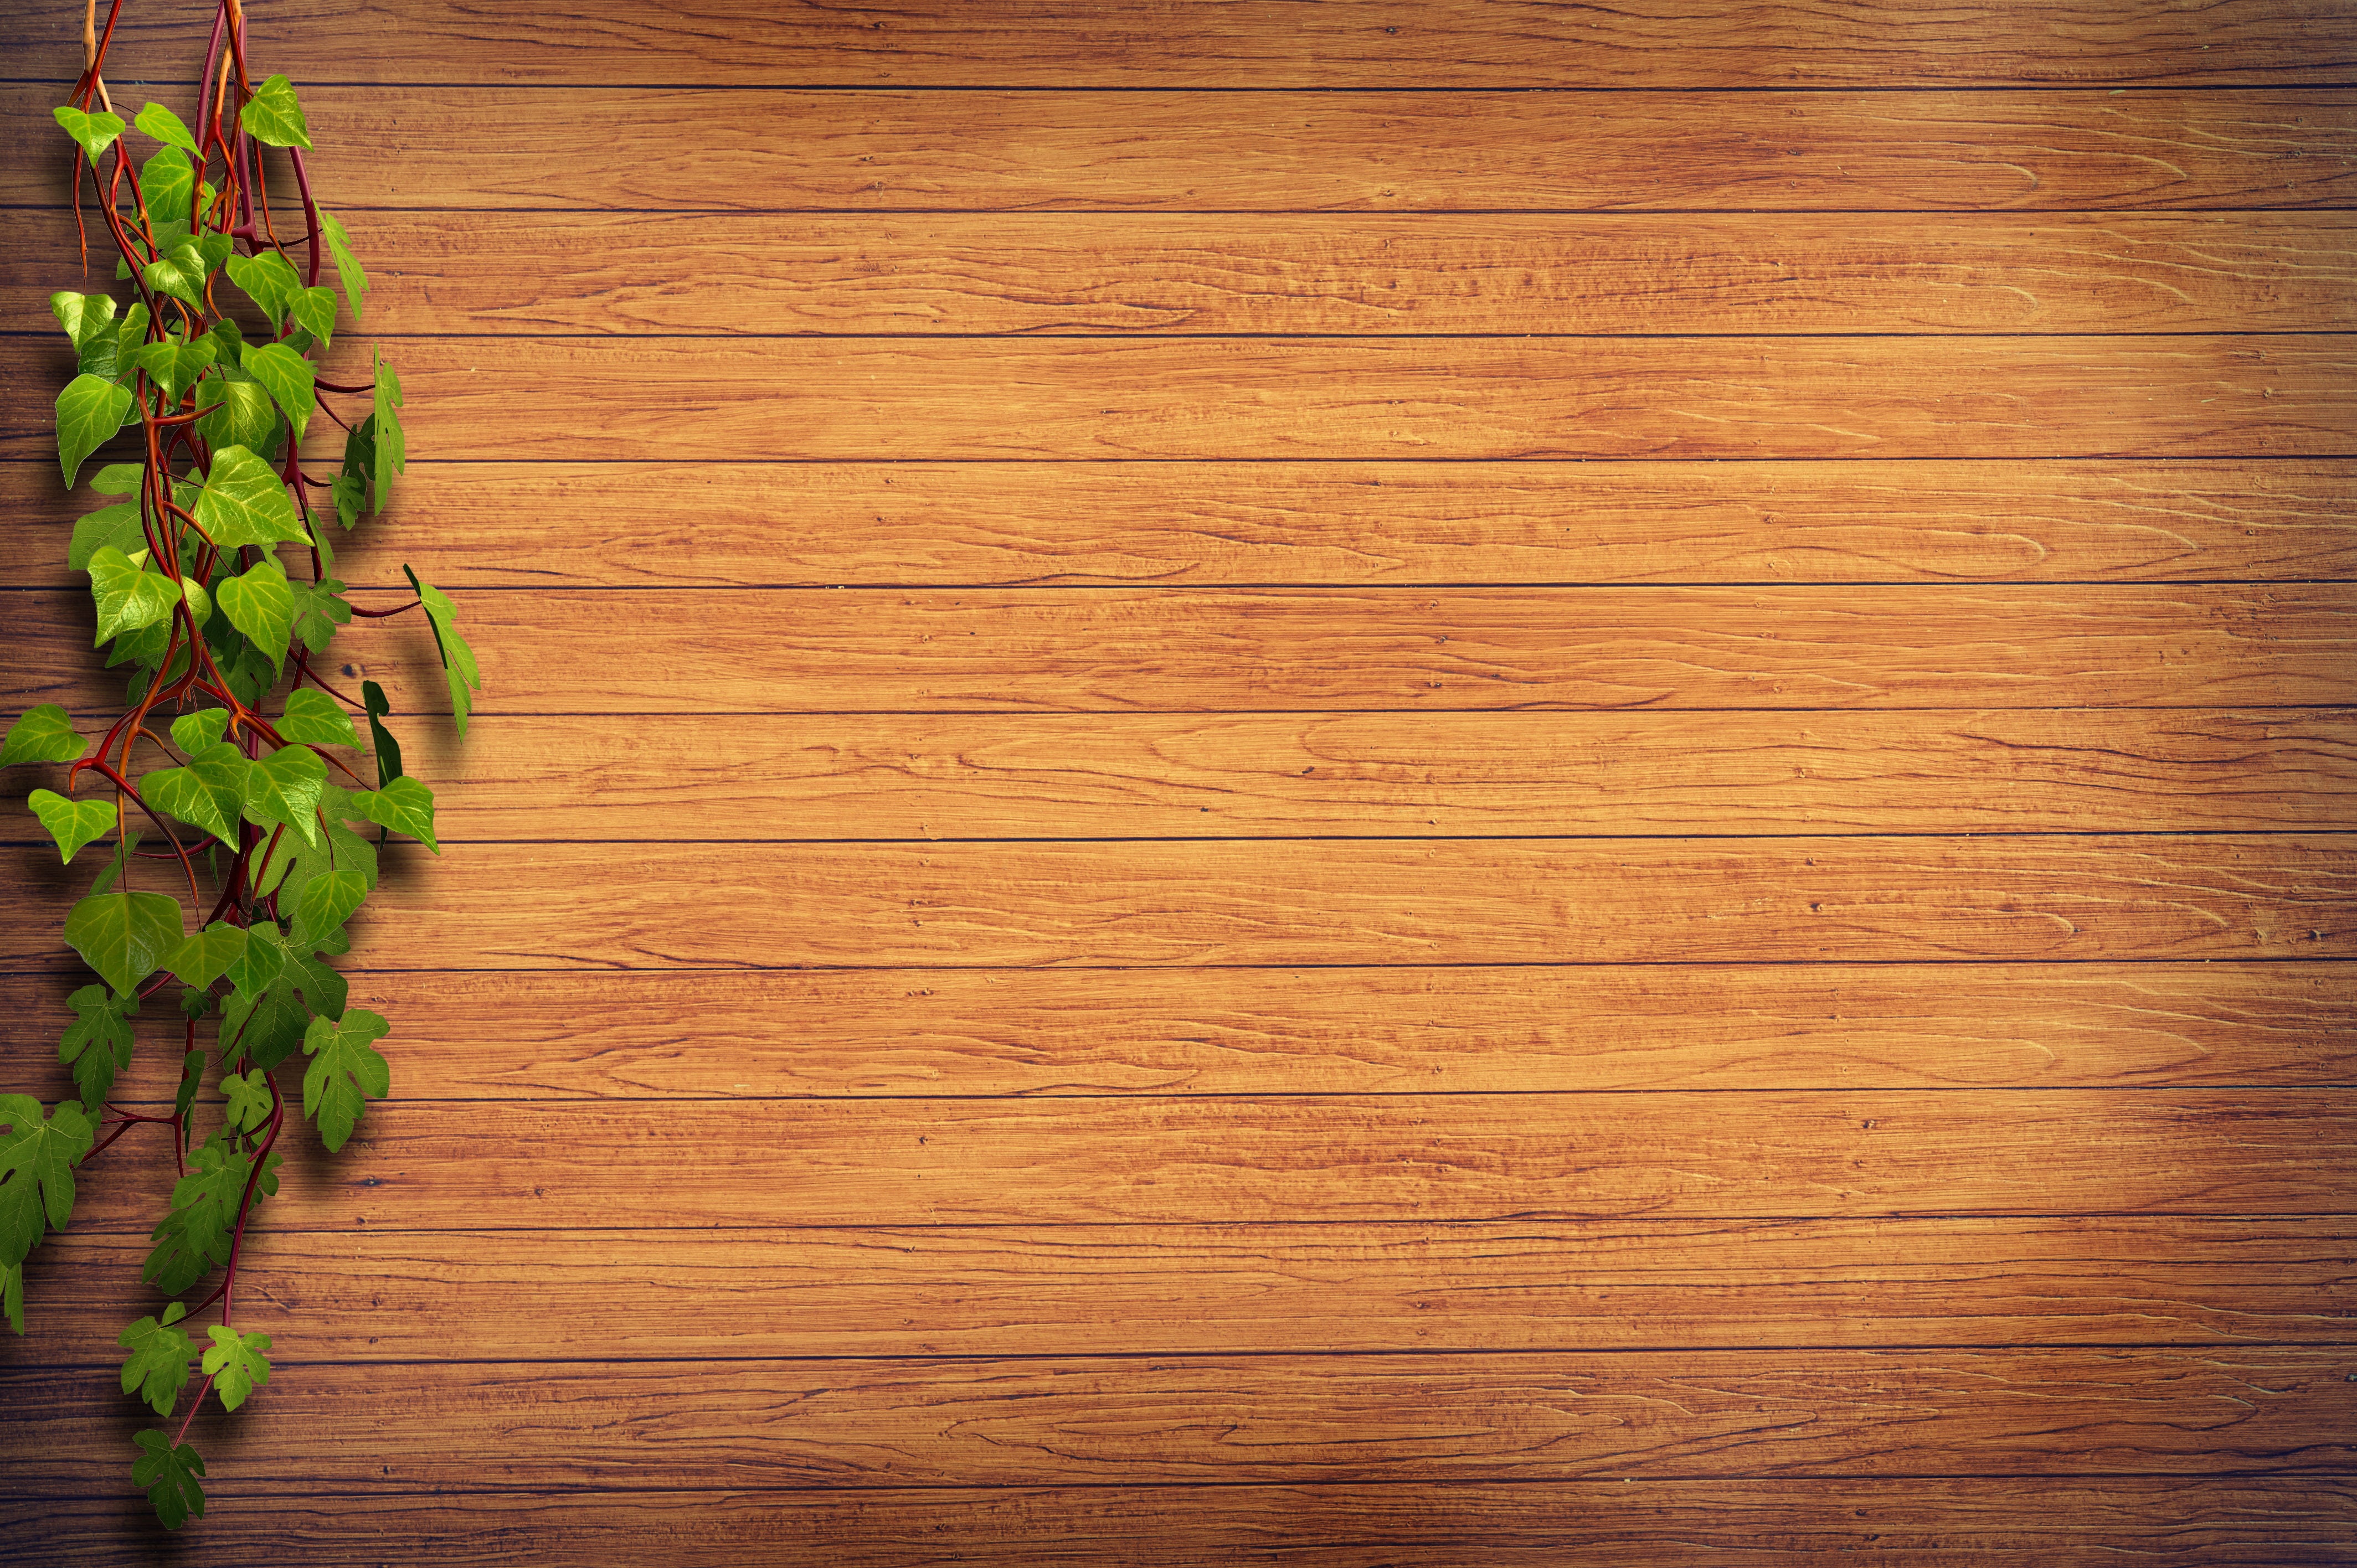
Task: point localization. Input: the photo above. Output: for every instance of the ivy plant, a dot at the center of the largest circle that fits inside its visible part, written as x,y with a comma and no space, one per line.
236,773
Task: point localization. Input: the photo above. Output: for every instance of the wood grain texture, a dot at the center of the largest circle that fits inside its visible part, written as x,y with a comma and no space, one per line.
590,149
646,1035
1166,650
1915,1523
728,400
1432,1159
973,524
372,1296
1335,1419
1380,775
1426,273
1292,902
1254,44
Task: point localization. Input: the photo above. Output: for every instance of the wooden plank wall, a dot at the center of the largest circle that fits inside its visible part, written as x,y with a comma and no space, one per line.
1351,783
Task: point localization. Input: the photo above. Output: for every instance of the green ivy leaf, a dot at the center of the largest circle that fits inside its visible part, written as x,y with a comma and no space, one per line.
36,1161
260,605
200,605
328,901
287,376
97,1044
124,935
157,1368
96,133
249,1098
318,612
175,365
207,955
159,124
257,969
90,409
129,596
392,446
404,805
209,793
168,182
194,732
180,271
244,502
284,788
388,750
119,479
314,311
269,280
348,267
85,317
273,115
72,823
314,717
243,416
195,1236
169,1474
345,1068
42,734
115,862
115,527
458,659
236,1364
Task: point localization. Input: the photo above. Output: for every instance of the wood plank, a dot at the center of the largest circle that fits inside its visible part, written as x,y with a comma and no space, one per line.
603,148
968,524
847,400
1426,273
638,1036
1237,1419
369,1295
1293,649
732,906
1915,1523
1431,1159
1254,44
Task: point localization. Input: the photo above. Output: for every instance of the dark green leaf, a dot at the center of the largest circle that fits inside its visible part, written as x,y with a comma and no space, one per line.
97,1044
260,605
287,377
458,659
157,1368
194,1235
249,1098
314,718
244,502
257,969
115,862
36,1161
273,115
72,823
205,956
345,1068
90,409
169,1474
318,612
42,734
284,787
392,445
124,935
388,750
96,133
348,265
192,1079
351,496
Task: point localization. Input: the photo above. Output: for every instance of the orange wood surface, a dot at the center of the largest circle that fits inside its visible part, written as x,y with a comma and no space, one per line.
1334,783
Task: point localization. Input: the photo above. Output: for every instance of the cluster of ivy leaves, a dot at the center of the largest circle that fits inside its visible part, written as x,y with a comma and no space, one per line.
271,822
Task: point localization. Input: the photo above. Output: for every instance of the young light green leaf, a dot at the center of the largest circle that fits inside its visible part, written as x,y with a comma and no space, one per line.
392,445
282,870
180,271
313,717
273,115
458,659
90,409
249,1098
205,956
318,612
288,378
242,416
260,605
129,596
36,1161
168,182
114,527
348,267
169,1474
96,133
284,788
314,311
209,793
161,124
404,805
269,280
328,901
124,935
72,823
84,315
200,604
345,1067
97,1044
244,502
119,479
194,732
175,365
42,734
157,1368
388,750
236,1364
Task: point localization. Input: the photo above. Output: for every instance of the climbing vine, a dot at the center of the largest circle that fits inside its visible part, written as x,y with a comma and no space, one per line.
236,774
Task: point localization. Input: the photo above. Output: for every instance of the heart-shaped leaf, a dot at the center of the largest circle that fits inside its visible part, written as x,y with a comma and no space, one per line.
244,502
194,732
209,793
160,123
90,409
274,116
72,823
129,596
287,376
260,604
95,132
42,734
84,315
169,181
404,805
124,935
328,901
205,956
314,716
269,280
241,415
284,788
114,527
180,271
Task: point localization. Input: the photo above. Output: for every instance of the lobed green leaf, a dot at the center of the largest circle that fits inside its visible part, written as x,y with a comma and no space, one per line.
97,1044
346,1071
72,823
90,409
157,1368
43,734
272,115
